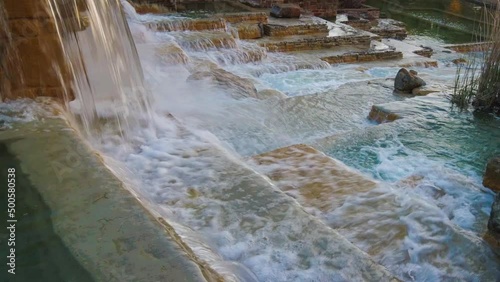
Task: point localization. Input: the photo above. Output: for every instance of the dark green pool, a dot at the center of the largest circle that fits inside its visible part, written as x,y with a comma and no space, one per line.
40,253
208,9
453,21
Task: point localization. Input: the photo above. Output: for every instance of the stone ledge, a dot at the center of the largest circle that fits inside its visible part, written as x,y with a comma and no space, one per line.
185,25
316,43
306,29
363,57
424,52
320,181
365,11
251,18
249,31
468,47
239,87
395,33
103,226
206,40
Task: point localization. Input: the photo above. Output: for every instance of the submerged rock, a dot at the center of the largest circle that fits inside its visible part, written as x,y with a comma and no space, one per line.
380,115
491,177
285,11
424,90
460,61
271,94
406,80
494,221
238,87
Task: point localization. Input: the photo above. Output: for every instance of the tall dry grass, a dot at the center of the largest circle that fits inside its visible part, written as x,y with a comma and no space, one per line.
478,82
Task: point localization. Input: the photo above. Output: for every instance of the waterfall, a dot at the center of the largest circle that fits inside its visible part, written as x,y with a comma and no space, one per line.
107,79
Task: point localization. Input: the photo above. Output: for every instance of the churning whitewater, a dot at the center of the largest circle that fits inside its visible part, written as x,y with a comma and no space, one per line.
210,162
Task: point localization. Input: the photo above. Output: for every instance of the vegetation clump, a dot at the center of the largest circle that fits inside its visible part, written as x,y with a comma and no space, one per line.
478,80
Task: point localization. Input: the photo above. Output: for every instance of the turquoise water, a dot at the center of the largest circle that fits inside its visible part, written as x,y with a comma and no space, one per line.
461,141
435,156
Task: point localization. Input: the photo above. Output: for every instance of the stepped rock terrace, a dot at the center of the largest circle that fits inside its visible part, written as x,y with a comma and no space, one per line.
213,142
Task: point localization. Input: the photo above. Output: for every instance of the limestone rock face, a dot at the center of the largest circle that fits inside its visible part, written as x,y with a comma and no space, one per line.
492,175
238,87
285,11
171,54
249,31
33,59
271,94
406,81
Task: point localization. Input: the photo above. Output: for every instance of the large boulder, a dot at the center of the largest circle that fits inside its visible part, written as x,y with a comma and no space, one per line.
494,221
406,81
285,11
491,177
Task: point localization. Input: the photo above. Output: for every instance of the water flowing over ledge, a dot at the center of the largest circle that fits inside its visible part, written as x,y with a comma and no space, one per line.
175,114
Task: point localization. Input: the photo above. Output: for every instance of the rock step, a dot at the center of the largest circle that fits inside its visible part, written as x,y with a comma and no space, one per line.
89,205
241,55
385,28
204,40
188,25
169,52
251,213
237,87
303,43
278,30
413,55
311,177
249,18
360,57
304,117
468,47
248,30
378,219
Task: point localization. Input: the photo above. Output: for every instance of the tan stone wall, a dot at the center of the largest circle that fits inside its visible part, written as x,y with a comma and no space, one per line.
245,17
193,25
320,8
249,31
363,57
33,62
279,30
317,43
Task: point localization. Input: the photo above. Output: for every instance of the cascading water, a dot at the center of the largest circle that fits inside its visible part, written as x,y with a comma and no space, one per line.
107,75
235,221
